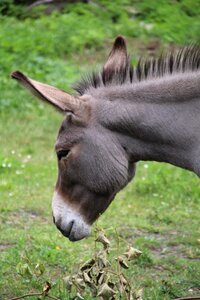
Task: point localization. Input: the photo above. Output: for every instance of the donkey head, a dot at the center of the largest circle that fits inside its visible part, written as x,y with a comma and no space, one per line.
92,164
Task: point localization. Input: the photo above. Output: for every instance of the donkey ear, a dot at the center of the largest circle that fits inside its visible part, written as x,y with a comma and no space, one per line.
118,58
58,98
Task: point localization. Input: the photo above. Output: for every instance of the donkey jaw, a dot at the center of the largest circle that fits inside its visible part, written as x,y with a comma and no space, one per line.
70,223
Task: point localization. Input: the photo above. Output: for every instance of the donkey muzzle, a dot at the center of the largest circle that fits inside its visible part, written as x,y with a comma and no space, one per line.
69,222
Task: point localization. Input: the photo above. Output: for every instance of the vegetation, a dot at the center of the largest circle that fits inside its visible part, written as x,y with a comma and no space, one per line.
158,213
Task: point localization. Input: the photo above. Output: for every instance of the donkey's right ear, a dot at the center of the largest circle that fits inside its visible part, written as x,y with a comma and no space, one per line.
118,58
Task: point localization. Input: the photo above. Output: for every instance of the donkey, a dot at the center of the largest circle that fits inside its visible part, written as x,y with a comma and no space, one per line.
119,116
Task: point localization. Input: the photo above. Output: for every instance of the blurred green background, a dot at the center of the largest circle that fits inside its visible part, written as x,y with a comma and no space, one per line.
158,212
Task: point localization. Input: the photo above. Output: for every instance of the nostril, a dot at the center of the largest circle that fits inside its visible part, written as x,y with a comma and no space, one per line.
54,220
65,230
71,225
68,229
58,224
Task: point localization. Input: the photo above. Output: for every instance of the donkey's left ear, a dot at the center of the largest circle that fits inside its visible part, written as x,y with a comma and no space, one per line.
57,98
117,60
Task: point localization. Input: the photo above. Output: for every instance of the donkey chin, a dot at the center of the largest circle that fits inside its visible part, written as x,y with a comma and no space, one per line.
70,222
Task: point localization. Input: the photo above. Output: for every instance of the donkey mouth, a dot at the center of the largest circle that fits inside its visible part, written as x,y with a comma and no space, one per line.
67,232
75,233
69,221
79,232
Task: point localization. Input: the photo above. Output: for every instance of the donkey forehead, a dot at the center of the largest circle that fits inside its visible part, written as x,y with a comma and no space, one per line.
71,133
93,134
68,134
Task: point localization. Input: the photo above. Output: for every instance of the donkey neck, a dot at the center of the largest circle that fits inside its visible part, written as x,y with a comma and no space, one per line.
157,119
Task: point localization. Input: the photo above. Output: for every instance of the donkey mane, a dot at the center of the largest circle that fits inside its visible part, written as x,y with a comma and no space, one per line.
184,60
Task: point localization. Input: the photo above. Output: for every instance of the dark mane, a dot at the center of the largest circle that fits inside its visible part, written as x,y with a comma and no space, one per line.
185,59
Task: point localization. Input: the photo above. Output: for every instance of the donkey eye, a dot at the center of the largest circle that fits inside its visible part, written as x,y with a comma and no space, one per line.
62,153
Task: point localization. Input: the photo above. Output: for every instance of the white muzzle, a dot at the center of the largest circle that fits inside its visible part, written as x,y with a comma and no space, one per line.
69,221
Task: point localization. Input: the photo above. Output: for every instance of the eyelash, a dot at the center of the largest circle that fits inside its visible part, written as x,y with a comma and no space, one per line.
62,154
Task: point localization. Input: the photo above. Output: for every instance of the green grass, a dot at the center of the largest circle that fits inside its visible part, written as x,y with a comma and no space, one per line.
158,212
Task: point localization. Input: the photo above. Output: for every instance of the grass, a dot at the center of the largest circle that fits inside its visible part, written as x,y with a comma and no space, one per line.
158,212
